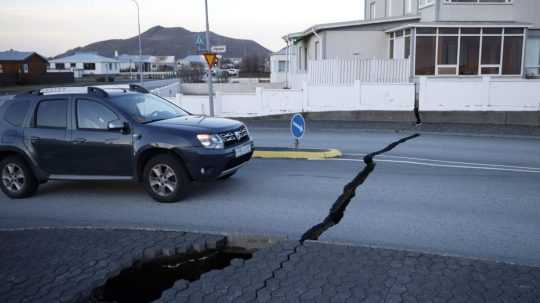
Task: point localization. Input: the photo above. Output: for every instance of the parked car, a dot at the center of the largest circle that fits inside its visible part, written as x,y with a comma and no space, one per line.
233,72
114,134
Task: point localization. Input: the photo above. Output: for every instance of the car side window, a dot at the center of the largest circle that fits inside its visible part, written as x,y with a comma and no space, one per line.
93,116
16,112
52,114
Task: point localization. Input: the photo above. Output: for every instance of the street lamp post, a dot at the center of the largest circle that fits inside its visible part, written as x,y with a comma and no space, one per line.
208,49
140,42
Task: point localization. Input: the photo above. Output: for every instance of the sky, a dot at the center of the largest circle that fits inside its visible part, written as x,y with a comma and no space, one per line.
51,27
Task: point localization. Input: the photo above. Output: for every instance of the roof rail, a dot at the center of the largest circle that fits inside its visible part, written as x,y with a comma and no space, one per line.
98,91
138,88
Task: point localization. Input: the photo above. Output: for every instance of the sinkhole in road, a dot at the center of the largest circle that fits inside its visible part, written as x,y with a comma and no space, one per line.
145,282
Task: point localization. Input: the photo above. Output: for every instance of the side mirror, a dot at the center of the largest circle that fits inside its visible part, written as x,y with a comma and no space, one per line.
118,125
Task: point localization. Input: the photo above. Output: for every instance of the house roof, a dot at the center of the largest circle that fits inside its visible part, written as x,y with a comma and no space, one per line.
283,52
84,57
462,24
338,25
13,55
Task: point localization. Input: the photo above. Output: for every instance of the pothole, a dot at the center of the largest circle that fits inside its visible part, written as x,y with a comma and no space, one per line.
145,282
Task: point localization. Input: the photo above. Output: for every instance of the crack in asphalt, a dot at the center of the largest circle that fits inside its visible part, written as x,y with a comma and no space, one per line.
349,191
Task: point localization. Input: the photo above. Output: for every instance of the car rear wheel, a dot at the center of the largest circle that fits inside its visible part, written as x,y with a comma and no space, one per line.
17,179
165,179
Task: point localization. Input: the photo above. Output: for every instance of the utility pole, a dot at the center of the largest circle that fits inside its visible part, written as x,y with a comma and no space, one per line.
208,49
141,72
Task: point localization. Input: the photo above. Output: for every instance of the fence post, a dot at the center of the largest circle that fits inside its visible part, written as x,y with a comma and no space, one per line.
305,99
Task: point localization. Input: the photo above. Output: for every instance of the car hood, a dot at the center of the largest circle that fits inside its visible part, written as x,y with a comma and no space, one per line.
202,123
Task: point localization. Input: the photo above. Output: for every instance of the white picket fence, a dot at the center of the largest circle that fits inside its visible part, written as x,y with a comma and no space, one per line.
345,72
355,97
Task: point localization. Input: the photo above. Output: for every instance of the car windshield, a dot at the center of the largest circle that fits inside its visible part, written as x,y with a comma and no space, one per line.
146,108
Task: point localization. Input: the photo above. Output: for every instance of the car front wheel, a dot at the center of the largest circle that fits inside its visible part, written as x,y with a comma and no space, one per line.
165,179
18,180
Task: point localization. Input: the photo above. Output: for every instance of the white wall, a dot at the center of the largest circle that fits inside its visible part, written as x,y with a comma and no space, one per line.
479,94
360,96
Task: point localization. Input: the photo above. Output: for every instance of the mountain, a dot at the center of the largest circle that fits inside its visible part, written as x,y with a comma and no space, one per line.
169,41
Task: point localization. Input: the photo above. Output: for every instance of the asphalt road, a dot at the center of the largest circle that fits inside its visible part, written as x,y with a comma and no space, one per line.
475,196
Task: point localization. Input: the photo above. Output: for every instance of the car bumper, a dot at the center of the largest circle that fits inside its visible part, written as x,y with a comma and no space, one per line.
206,164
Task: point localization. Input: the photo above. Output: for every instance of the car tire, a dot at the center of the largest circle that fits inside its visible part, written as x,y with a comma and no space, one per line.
17,179
165,179
227,176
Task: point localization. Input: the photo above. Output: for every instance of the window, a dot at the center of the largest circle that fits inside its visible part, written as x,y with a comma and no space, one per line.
93,116
59,66
372,10
533,57
300,53
89,66
110,66
469,55
282,66
407,47
491,54
1,69
16,112
447,55
25,68
305,58
389,8
513,52
146,108
470,51
52,114
425,55
391,47
73,65
317,46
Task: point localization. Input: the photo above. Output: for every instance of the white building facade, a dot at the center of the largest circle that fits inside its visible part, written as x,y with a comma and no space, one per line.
460,38
86,64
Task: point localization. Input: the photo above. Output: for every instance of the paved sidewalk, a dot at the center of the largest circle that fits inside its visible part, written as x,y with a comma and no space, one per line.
52,265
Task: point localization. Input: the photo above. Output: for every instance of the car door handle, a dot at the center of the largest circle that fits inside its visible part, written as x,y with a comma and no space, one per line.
34,139
78,141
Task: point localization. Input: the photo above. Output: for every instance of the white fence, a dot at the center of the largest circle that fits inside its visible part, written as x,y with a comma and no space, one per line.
359,96
168,91
345,72
479,94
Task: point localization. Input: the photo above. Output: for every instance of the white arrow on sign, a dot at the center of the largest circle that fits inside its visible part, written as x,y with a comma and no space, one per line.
298,126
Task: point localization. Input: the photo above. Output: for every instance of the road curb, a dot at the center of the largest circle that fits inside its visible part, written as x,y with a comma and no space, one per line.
291,153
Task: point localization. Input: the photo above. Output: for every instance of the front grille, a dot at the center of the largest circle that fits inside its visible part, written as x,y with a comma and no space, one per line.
235,137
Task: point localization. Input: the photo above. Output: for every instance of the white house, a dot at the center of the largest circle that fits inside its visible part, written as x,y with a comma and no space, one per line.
442,38
279,64
87,64
150,63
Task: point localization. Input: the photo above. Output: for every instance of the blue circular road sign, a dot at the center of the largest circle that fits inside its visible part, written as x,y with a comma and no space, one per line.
298,126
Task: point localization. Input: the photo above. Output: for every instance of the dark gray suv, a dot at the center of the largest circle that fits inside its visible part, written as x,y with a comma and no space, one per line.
114,134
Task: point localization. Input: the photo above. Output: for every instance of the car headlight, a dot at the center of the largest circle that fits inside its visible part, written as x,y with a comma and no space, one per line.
211,141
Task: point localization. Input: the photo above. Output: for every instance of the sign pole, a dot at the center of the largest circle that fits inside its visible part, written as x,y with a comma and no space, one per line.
208,49
298,128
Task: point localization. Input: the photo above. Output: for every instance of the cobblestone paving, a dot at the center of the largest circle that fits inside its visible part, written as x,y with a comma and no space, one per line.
66,265
316,272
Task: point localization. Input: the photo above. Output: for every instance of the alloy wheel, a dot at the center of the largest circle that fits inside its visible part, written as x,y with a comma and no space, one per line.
13,177
163,180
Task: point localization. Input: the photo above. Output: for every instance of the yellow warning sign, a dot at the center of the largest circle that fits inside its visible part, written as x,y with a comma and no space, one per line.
211,59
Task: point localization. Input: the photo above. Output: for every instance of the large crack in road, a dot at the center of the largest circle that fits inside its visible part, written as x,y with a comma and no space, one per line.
349,191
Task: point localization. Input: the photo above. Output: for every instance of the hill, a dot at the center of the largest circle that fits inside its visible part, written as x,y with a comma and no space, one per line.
169,41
